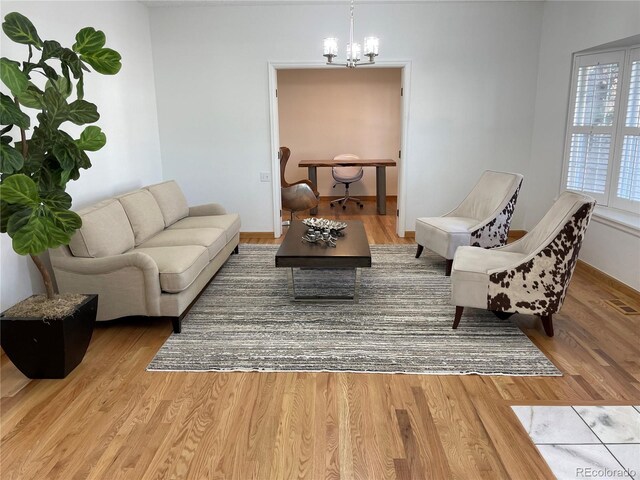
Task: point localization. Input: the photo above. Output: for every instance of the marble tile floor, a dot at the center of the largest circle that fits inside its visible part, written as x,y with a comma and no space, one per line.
586,441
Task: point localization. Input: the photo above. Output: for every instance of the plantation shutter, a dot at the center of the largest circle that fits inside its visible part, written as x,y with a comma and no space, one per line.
593,115
628,184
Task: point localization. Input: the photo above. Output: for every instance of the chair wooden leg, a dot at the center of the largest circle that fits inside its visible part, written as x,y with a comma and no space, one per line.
547,323
456,320
237,249
419,252
447,269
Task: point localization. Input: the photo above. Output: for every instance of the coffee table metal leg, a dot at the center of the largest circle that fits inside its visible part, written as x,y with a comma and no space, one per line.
320,298
292,287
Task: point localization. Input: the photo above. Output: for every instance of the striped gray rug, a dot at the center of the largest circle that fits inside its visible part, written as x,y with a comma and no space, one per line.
244,321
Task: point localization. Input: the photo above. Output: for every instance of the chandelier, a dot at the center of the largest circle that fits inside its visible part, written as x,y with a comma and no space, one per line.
354,50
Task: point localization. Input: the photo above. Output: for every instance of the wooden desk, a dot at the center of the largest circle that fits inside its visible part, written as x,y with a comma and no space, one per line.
381,175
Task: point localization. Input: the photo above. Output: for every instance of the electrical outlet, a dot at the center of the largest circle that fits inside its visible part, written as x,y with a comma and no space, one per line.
265,177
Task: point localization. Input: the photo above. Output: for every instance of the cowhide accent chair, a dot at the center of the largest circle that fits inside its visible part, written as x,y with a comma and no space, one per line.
530,275
481,220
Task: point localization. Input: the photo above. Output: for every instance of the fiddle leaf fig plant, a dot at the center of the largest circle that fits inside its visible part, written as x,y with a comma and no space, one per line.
38,159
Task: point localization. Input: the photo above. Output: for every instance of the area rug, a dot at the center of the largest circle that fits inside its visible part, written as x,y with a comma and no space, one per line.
245,321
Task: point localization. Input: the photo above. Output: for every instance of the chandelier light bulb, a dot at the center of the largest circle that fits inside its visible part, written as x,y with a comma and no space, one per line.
354,54
371,46
330,47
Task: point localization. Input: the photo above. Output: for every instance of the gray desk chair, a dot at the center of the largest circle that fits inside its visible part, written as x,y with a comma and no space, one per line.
347,176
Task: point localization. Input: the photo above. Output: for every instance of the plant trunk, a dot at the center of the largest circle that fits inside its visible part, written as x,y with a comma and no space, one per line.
46,278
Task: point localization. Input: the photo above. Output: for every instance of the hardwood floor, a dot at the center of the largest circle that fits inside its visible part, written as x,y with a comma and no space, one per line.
111,419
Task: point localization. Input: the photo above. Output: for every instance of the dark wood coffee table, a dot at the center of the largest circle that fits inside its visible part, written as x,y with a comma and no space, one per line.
351,252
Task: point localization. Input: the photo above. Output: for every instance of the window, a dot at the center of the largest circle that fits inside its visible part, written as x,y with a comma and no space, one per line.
602,152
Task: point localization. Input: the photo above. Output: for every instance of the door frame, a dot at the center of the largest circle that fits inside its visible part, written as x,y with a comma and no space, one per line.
405,84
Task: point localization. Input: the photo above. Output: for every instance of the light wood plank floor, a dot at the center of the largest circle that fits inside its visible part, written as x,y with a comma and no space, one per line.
111,419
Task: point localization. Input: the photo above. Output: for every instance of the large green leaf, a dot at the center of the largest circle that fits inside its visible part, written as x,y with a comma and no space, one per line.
19,217
19,189
67,175
69,58
34,237
11,160
65,219
62,85
92,139
12,76
6,210
48,70
67,153
88,41
57,108
84,161
10,113
20,29
80,88
81,112
31,97
51,49
56,200
105,61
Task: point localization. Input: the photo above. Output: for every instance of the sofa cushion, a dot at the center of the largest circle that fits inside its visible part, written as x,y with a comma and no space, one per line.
213,239
144,214
178,266
230,223
105,231
171,201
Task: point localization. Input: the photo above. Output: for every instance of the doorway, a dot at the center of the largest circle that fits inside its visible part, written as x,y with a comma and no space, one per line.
322,112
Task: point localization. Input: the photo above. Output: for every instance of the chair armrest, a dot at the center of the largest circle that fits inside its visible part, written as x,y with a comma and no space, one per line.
127,284
98,266
206,210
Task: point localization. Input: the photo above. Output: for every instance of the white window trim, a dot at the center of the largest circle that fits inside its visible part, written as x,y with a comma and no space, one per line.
612,210
632,55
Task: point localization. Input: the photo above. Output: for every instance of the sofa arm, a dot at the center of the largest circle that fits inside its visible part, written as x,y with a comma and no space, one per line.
127,284
207,209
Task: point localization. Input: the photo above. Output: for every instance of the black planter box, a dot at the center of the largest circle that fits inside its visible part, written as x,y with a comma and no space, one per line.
49,348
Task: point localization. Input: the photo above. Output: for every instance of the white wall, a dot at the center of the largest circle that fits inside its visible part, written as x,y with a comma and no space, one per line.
473,85
126,102
569,27
326,112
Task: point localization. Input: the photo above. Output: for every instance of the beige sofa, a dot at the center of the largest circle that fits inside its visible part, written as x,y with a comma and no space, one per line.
146,252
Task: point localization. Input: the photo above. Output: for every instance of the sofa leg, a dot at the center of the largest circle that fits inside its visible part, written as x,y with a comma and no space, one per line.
456,320
237,249
419,252
447,268
547,323
177,324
